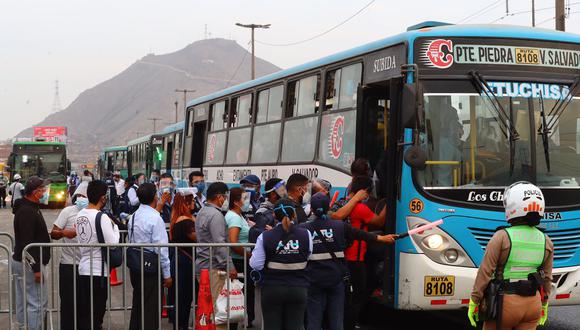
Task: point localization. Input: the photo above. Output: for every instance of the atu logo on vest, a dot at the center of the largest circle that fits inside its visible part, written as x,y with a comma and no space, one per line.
292,246
328,234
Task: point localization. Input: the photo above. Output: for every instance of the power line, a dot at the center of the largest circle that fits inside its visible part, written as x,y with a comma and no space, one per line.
480,12
537,10
318,35
238,68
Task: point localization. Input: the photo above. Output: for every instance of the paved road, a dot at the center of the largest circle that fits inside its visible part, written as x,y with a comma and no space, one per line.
561,318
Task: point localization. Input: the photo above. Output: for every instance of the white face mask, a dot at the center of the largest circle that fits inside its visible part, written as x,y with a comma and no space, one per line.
226,205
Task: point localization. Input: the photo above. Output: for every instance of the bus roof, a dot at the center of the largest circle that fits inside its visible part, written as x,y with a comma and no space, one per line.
115,148
142,139
426,29
172,128
40,143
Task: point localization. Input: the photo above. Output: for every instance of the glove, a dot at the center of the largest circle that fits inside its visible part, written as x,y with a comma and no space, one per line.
473,313
544,317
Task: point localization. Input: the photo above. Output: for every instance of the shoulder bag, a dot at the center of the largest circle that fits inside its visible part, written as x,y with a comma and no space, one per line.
150,259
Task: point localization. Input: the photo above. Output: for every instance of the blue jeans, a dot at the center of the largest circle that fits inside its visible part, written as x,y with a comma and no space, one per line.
36,297
329,301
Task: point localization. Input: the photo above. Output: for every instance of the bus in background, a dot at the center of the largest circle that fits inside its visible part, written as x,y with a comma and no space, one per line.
447,115
140,156
113,159
167,150
47,160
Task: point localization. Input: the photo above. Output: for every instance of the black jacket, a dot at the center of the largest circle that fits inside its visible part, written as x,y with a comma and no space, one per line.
30,227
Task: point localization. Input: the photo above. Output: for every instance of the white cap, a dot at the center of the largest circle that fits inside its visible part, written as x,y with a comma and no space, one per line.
17,176
522,198
82,189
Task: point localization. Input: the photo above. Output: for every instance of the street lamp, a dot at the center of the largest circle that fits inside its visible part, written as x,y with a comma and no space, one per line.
254,26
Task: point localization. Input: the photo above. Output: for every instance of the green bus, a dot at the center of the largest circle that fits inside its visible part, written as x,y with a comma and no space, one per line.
45,159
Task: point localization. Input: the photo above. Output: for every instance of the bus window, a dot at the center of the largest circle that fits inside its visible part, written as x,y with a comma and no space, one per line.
337,139
218,116
266,143
349,80
299,139
303,97
216,143
177,150
332,84
238,146
270,104
241,111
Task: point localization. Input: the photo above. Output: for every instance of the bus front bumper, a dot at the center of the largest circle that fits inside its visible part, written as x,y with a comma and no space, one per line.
416,270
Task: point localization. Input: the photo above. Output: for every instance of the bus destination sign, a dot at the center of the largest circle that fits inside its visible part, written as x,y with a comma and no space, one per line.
446,53
384,64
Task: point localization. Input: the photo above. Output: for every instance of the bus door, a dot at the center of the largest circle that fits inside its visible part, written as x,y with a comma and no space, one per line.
169,157
377,143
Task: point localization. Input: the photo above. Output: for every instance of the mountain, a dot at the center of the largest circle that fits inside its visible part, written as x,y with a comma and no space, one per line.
118,110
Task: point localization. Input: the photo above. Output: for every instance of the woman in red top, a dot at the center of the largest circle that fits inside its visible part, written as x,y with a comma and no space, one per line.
361,217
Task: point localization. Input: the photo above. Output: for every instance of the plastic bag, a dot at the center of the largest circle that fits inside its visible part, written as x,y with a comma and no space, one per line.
237,306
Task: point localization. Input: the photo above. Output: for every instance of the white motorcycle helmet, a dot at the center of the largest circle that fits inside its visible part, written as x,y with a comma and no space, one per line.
522,198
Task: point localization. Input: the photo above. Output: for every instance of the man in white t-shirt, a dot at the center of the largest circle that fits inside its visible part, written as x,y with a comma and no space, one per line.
16,189
91,261
119,184
65,228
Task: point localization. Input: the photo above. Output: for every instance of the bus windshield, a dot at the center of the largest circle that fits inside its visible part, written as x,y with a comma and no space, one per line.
467,140
49,166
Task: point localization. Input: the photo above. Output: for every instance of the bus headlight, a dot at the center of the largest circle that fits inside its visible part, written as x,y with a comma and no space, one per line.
438,245
60,195
451,255
433,241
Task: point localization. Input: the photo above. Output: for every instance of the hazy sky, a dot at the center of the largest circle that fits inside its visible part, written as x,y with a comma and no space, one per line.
84,42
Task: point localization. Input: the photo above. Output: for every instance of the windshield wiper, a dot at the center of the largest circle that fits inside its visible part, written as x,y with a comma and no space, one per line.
544,131
505,121
559,107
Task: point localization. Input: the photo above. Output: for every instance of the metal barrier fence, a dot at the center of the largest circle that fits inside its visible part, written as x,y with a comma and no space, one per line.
10,305
47,320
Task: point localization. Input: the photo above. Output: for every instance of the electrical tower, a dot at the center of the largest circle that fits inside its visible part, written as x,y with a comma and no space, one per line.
56,107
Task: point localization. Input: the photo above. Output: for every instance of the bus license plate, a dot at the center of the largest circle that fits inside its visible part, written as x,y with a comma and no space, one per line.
439,286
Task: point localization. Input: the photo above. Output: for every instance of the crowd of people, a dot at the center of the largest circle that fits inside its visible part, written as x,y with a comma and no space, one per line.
306,270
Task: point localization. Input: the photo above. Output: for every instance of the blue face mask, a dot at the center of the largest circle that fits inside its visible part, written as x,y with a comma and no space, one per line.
82,202
200,187
44,198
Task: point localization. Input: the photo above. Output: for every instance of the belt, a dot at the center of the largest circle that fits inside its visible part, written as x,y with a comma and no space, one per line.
325,256
292,266
523,288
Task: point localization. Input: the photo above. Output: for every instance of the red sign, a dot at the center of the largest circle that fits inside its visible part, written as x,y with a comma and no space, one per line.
440,53
50,133
336,140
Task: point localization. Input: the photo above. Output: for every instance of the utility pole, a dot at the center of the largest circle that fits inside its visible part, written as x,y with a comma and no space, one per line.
560,16
176,103
154,120
507,7
184,91
253,27
533,13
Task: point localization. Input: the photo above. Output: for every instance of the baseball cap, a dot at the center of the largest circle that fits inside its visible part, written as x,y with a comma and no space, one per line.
320,203
35,182
17,176
251,179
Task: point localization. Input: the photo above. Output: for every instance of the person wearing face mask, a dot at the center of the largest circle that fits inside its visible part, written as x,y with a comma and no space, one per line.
138,180
91,274
299,189
155,177
281,255
197,180
30,227
165,195
64,228
264,218
211,227
252,184
238,232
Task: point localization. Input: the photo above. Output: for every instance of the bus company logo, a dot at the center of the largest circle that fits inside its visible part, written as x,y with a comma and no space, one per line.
440,53
336,137
211,149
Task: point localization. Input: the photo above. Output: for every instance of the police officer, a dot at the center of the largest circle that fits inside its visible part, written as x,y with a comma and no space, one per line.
264,217
252,184
521,258
326,267
281,254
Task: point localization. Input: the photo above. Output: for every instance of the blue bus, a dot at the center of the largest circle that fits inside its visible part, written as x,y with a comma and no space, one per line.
447,115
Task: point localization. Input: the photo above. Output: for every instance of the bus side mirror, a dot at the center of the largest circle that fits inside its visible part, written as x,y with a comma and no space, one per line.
416,157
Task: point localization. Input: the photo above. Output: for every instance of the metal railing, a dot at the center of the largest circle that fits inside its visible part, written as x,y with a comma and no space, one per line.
113,294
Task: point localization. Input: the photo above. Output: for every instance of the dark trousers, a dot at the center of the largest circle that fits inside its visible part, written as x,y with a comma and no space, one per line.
66,278
283,307
150,296
184,284
249,285
3,197
356,299
327,302
99,301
